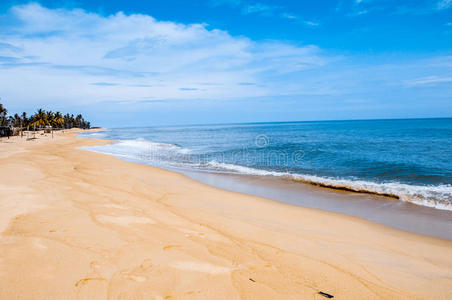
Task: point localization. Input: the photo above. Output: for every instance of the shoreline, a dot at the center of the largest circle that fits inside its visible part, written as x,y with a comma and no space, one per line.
387,211
136,231
180,159
377,208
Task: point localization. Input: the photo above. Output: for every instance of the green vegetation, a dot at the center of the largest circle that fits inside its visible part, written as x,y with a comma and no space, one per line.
42,119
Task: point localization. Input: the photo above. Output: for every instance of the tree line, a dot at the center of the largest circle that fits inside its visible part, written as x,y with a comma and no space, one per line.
41,119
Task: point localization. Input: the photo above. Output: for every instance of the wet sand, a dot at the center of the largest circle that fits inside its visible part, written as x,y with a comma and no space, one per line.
382,210
82,225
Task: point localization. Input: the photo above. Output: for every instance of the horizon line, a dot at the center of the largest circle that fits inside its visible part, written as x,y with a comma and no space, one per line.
280,122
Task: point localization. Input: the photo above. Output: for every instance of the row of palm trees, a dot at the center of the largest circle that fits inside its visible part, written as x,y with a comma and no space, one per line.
41,119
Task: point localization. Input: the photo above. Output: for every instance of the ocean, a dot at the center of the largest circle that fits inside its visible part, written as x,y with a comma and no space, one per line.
407,159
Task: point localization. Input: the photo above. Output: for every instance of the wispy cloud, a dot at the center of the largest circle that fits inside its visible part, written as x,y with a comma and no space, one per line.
298,19
58,50
188,89
263,9
260,8
429,80
363,7
5,47
289,16
74,56
104,84
8,59
444,4
311,23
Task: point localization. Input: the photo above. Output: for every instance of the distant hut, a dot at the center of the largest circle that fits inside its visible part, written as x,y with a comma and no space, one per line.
5,131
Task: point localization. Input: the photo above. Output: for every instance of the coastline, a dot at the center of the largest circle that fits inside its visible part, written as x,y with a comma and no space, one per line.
140,232
378,209
386,209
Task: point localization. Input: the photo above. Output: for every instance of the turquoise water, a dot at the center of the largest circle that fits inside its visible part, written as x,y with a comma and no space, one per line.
406,159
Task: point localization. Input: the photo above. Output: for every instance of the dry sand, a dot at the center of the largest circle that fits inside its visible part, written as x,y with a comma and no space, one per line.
81,225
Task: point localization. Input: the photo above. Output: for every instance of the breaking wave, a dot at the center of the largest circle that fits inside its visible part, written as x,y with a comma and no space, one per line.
439,197
171,155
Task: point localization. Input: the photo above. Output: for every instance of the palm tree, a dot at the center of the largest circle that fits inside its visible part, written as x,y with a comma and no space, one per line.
43,118
50,116
39,119
3,113
78,121
57,120
17,120
24,119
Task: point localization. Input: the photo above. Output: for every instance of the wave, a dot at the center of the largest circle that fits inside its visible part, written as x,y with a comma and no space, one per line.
96,134
171,155
143,144
438,197
141,149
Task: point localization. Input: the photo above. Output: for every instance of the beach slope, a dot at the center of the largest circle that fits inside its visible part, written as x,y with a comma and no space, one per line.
82,225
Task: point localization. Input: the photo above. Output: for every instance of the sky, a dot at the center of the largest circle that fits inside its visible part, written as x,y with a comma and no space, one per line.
143,63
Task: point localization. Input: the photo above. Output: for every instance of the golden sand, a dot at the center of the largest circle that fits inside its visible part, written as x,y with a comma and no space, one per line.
81,225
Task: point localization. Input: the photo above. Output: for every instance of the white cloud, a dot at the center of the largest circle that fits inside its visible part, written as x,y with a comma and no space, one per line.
298,19
363,7
444,4
72,54
260,8
311,23
428,80
72,57
289,16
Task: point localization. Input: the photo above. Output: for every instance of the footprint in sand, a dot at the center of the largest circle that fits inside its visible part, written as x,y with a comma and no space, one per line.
146,264
137,273
171,247
95,265
93,286
86,280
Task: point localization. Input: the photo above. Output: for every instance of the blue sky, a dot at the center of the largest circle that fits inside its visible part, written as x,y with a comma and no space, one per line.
135,63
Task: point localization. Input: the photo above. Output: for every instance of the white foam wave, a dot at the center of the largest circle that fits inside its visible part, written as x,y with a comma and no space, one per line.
161,154
142,144
439,197
99,135
141,149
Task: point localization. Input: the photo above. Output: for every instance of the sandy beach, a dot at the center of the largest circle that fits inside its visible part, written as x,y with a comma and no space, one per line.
82,225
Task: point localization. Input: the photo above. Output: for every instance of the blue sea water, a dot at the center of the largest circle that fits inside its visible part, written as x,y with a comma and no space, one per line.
406,159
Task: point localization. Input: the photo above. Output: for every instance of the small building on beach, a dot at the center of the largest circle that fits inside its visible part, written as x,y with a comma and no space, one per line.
6,131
